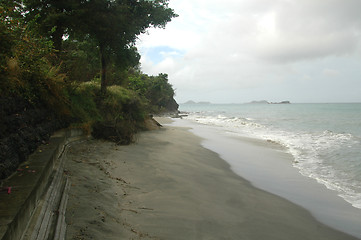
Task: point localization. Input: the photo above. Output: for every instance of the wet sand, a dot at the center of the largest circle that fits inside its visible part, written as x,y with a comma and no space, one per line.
167,186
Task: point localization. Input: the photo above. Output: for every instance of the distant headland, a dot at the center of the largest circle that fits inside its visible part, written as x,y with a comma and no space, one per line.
267,102
253,102
193,102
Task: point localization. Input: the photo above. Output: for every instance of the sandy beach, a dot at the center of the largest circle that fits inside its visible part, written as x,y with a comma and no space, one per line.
167,186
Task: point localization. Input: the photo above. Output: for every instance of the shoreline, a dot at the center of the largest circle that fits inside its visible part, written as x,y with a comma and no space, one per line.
268,166
168,186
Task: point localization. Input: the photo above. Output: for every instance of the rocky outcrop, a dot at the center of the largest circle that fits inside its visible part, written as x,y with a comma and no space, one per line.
23,128
172,106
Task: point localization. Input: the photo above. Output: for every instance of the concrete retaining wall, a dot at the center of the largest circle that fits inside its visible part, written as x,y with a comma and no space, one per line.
29,183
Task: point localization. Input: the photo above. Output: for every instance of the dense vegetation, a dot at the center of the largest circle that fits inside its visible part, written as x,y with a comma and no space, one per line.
75,62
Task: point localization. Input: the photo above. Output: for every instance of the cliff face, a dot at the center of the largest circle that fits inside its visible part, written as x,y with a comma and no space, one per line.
23,128
172,106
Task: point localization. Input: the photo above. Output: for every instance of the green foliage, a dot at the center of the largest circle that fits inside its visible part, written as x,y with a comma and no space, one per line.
124,111
80,60
160,91
155,89
113,25
53,18
120,108
65,78
10,28
83,103
25,69
139,83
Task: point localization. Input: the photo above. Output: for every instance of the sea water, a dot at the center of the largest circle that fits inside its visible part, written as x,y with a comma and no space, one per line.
324,139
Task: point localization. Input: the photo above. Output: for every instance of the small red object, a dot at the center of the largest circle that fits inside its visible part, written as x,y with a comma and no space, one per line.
9,190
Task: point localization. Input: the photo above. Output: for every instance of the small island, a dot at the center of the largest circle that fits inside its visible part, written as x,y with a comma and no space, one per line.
267,102
259,102
283,102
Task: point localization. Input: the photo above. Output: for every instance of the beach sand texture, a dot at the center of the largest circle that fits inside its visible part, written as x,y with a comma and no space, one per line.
167,186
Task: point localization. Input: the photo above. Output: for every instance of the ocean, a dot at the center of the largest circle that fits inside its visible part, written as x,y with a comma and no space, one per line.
323,139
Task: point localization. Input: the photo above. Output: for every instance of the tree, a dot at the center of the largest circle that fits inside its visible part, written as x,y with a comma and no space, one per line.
55,18
156,89
80,60
115,25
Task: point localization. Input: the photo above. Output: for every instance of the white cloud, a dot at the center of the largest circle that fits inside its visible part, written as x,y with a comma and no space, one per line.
235,45
330,72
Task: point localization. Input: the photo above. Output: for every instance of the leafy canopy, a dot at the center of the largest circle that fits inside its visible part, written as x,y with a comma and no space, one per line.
113,25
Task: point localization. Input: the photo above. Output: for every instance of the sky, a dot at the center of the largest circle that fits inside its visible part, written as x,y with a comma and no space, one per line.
236,51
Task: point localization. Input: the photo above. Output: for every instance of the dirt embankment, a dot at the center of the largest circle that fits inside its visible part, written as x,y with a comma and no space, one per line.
23,127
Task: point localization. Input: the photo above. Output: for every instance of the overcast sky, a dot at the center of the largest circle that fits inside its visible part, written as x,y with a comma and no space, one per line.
235,51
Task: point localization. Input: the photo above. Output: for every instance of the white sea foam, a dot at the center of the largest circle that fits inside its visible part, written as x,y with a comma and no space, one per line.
317,154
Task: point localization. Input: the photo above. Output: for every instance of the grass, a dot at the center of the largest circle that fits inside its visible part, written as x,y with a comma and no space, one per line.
120,109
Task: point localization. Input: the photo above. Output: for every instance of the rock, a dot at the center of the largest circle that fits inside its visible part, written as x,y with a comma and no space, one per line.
172,105
152,124
23,127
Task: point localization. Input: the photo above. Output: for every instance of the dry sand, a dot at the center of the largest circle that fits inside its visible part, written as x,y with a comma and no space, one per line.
167,186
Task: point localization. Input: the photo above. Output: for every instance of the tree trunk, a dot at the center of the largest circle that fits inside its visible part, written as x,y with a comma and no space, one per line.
103,77
57,36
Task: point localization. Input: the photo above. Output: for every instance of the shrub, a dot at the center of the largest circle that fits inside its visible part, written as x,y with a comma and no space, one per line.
84,108
123,115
